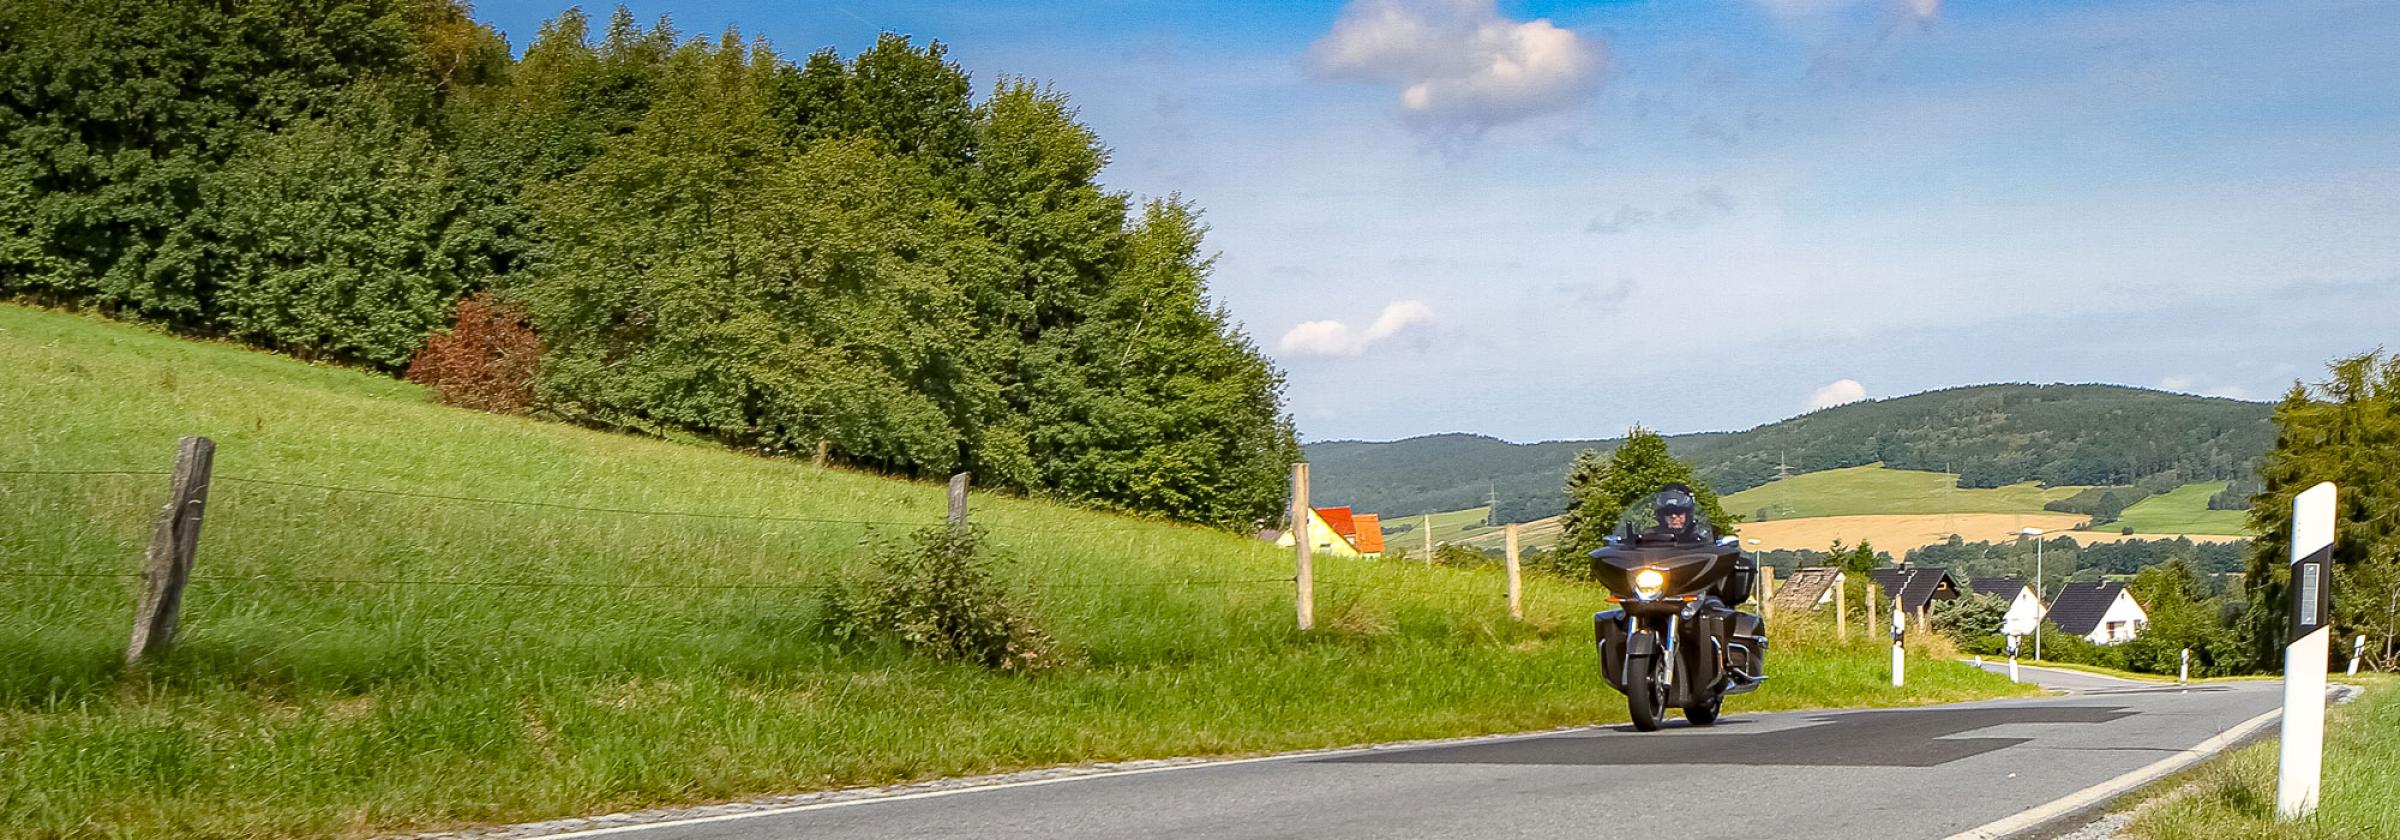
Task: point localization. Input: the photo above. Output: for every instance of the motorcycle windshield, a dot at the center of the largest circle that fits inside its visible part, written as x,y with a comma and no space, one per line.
1653,519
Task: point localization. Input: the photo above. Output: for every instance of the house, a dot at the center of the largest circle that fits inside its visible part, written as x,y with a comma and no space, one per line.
1334,531
2101,611
1806,589
1915,587
2024,605
1368,535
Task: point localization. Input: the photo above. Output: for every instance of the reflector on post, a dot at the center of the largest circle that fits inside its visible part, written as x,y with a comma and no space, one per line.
2303,760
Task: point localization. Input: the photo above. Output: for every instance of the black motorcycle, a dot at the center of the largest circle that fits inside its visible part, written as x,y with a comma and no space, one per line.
1676,640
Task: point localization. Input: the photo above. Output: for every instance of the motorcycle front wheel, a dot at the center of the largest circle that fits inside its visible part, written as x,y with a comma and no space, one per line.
1645,696
1705,713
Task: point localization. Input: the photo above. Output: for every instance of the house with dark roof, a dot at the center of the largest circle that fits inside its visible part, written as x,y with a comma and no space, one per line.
2101,611
1915,587
2024,605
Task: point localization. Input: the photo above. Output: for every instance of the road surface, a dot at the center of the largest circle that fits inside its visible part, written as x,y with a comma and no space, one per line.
1898,773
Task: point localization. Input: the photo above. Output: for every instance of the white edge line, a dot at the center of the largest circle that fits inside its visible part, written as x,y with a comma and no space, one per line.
1136,771
2114,787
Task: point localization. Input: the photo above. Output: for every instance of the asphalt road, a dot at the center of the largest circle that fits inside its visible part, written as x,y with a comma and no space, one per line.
1900,773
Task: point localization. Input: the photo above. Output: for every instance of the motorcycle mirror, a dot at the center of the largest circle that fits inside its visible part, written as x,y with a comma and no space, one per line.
1727,540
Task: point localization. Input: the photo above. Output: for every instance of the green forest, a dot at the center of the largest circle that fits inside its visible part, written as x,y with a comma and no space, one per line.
870,257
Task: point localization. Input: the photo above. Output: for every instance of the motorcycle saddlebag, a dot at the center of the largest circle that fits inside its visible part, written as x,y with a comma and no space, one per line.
1608,634
1735,588
1746,645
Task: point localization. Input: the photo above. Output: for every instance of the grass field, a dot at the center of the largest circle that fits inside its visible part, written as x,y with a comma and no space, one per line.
1872,489
357,663
2234,795
2183,510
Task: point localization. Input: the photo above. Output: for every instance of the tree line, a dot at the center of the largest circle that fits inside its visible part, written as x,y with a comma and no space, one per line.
638,230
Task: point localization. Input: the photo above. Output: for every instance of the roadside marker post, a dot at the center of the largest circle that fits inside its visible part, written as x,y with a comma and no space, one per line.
2184,673
2012,658
2358,650
2304,658
1899,649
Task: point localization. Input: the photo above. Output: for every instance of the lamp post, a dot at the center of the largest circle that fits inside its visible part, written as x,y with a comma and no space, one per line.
2041,599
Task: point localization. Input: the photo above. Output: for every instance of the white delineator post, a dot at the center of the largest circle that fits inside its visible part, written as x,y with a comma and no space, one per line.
1899,651
2304,657
2012,659
2184,673
2358,650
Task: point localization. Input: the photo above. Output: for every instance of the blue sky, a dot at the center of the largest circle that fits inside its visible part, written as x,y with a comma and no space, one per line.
1555,220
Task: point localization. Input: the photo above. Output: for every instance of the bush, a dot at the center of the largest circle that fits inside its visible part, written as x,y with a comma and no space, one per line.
937,597
487,360
1970,618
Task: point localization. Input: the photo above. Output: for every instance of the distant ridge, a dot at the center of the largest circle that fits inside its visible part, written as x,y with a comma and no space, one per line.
1991,435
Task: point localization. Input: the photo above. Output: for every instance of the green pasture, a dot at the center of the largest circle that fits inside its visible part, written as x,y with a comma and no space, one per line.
409,617
1873,489
2183,510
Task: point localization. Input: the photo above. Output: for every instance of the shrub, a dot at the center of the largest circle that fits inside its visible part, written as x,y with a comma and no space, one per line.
1970,618
487,359
937,596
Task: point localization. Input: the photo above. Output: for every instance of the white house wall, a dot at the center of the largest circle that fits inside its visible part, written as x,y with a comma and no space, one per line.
2125,610
2024,614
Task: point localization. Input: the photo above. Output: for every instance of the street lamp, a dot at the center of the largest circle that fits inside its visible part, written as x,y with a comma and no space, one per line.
2041,599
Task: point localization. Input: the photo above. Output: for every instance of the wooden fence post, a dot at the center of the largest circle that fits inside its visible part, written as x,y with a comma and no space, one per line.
1516,593
1766,592
1925,617
1428,539
1306,578
172,547
1873,592
1841,606
958,502
824,452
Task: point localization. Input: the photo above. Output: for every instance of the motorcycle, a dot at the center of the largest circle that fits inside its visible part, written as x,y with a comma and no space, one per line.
1675,640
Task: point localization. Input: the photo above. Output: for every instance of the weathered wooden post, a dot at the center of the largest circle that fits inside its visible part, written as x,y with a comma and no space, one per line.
172,547
1766,592
1841,606
958,502
824,452
1516,602
1306,579
1428,529
1873,592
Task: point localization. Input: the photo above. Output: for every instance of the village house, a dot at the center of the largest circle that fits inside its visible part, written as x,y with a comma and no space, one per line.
2024,606
2102,612
1336,532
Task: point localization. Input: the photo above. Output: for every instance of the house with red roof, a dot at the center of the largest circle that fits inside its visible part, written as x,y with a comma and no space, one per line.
1338,532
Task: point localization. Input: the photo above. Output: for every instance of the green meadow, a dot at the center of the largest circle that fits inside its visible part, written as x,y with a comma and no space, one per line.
411,617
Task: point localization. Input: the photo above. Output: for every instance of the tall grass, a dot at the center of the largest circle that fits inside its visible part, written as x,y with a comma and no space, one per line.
357,662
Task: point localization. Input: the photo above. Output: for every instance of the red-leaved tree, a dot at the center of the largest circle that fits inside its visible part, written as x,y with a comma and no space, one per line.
487,359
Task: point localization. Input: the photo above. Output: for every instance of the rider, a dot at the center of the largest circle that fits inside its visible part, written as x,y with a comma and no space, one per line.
1677,514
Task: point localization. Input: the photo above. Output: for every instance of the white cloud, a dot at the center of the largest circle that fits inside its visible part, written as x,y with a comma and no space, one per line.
1922,10
1701,207
1836,393
2236,392
1460,65
1334,338
2177,382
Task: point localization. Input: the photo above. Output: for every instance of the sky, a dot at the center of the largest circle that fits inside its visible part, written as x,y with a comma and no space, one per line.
1547,220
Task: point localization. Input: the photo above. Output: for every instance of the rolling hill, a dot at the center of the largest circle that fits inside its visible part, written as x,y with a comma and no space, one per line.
1991,436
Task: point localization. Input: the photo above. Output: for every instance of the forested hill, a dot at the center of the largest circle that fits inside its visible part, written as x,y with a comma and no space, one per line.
871,259
1991,435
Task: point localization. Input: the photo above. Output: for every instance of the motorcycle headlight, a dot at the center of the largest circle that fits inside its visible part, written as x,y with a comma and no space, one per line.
1647,583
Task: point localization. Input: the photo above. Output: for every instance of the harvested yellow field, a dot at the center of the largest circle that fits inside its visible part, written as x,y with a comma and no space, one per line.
1899,532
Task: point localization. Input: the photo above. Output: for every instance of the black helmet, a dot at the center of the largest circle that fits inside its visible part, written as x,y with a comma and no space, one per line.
1673,499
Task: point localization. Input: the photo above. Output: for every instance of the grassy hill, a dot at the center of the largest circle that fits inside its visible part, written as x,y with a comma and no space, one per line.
2183,510
407,617
1991,436
1874,489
